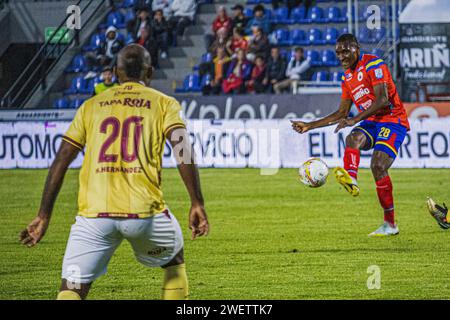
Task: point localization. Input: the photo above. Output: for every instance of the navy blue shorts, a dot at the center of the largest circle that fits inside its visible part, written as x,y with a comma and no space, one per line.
383,136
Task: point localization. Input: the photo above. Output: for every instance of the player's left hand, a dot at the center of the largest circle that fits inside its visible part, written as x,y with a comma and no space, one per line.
349,122
198,221
34,231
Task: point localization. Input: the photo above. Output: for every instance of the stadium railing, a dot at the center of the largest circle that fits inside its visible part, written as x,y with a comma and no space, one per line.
35,73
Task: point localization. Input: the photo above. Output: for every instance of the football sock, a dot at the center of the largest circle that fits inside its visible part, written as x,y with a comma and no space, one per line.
68,295
386,198
175,285
351,162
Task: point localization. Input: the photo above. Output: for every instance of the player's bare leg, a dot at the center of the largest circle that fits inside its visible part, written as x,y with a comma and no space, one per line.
68,292
175,286
348,175
381,162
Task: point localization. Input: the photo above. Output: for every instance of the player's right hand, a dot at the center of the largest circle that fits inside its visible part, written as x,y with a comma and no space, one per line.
34,231
198,221
300,126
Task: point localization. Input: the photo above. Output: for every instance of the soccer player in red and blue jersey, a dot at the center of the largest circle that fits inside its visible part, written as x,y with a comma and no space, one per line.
382,123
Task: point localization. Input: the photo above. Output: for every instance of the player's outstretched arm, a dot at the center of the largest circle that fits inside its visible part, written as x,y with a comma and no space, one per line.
380,102
37,228
342,112
185,158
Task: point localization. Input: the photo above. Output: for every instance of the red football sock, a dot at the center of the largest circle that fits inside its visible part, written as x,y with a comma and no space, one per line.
386,198
351,161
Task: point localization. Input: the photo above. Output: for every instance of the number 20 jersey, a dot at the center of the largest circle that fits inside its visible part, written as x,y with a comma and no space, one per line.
124,131
358,85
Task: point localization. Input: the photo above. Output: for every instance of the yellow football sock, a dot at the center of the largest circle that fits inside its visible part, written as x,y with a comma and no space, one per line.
175,285
68,295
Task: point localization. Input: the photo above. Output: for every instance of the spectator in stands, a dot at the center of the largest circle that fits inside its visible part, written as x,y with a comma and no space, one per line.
259,44
297,70
220,64
275,70
160,32
163,5
221,41
222,21
238,72
148,43
259,19
257,76
183,12
237,41
107,77
143,21
239,19
107,52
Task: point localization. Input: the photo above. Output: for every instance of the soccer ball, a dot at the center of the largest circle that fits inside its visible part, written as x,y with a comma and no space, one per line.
313,172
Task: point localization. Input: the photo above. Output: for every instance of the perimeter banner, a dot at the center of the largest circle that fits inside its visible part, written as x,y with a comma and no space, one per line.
238,144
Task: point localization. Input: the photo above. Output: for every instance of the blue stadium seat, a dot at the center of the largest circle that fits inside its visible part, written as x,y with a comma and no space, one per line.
329,59
206,57
191,83
314,57
298,15
281,16
114,18
315,37
75,104
96,41
344,30
252,1
206,80
378,52
379,34
336,77
78,85
62,103
333,14
316,15
320,77
331,35
129,3
364,35
298,37
78,64
130,15
286,54
129,39
248,12
282,37
268,13
90,89
344,13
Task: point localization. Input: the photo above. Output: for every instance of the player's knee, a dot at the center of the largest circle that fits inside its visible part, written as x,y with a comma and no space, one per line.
355,141
378,169
178,259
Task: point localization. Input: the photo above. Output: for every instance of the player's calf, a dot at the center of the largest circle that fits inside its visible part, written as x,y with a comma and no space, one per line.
175,286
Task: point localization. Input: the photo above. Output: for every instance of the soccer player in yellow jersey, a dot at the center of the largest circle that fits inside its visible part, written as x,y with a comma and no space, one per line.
123,131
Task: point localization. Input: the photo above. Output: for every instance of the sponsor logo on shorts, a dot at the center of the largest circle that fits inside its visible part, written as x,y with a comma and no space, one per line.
156,251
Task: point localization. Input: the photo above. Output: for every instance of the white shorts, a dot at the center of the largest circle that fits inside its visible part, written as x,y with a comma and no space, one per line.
92,242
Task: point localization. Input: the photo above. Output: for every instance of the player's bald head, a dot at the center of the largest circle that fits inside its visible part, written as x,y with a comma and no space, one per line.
134,63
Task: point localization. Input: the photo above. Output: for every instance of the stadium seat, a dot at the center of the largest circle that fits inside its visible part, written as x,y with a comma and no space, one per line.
130,15
62,103
282,37
320,77
298,37
129,3
329,59
114,18
90,89
286,54
379,34
78,64
78,85
129,39
96,40
75,104
298,15
315,37
268,13
364,35
191,83
333,14
344,13
248,12
252,1
206,57
331,35
314,57
336,77
206,80
316,15
378,52
344,30
281,16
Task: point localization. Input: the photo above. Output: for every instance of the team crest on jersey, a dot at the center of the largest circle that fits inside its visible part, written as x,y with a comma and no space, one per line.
360,76
349,76
379,73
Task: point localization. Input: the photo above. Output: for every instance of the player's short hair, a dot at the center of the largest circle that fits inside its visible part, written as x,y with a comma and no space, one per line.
132,59
348,37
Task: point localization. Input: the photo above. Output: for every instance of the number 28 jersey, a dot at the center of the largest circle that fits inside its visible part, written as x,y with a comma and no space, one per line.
124,131
358,85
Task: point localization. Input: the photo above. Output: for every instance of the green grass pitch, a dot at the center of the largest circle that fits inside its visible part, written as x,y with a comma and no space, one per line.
271,238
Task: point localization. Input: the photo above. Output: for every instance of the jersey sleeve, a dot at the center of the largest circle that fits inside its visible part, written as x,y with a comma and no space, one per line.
76,134
377,71
172,117
345,93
